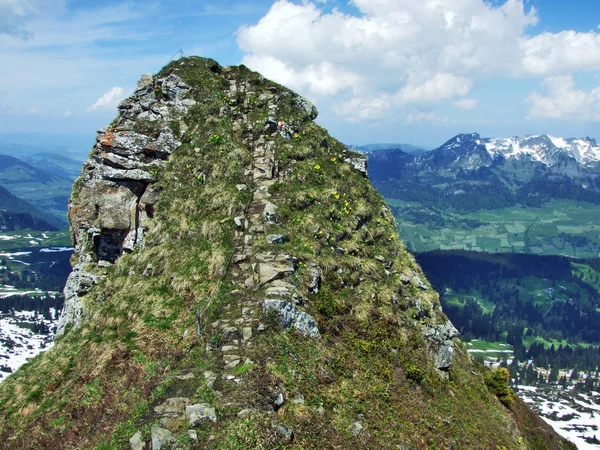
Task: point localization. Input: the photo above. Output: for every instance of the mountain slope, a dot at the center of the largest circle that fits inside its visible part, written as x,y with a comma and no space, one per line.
46,190
59,165
215,205
17,214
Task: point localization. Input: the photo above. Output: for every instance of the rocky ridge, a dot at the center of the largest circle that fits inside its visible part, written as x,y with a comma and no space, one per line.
238,283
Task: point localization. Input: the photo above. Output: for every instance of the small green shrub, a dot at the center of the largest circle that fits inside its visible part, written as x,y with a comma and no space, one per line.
497,382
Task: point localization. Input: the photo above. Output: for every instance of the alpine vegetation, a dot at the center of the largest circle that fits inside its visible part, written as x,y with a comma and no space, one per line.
238,283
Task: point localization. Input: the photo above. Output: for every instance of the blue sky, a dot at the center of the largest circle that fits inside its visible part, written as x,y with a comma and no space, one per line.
378,70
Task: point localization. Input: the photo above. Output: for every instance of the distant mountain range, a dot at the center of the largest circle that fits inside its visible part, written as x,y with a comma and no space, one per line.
43,181
469,172
406,148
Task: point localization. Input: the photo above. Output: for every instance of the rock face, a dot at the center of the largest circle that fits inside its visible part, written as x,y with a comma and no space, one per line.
114,197
441,342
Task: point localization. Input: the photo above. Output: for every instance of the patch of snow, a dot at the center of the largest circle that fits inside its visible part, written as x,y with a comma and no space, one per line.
56,249
18,344
10,255
559,142
572,415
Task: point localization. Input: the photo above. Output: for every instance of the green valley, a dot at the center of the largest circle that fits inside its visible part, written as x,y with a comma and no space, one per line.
559,227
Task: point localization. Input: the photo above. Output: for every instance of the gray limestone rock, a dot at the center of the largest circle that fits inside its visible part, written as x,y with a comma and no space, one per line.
285,432
136,442
420,282
161,437
274,270
275,238
356,429
193,435
196,414
270,213
210,378
110,173
240,222
441,345
79,282
359,164
309,109
279,401
124,143
316,276
172,406
112,203
292,316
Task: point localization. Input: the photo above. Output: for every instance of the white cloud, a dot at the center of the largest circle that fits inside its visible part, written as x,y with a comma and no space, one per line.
466,104
67,113
33,111
110,100
360,109
564,101
397,52
426,117
564,52
442,86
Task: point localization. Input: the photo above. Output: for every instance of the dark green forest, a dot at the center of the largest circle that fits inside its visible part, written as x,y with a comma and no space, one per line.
546,307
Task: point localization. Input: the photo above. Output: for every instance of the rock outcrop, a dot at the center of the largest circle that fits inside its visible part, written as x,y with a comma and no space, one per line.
114,197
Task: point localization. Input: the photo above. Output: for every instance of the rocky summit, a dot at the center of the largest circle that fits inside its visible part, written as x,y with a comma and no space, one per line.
238,283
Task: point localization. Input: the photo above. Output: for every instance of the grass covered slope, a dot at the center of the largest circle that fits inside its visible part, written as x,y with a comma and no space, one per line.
261,204
17,214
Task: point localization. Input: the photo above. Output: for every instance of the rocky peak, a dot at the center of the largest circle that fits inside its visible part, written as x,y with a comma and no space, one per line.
238,283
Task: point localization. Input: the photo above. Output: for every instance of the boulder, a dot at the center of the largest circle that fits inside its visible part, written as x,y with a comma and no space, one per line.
286,433
441,345
136,442
359,164
161,437
197,414
275,238
274,270
172,407
316,275
270,212
292,317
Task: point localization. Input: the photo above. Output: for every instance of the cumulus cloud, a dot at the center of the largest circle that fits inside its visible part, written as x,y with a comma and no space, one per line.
563,52
466,104
109,100
442,86
564,101
393,53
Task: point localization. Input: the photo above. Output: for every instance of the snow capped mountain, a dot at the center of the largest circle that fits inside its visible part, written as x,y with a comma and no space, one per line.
542,148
